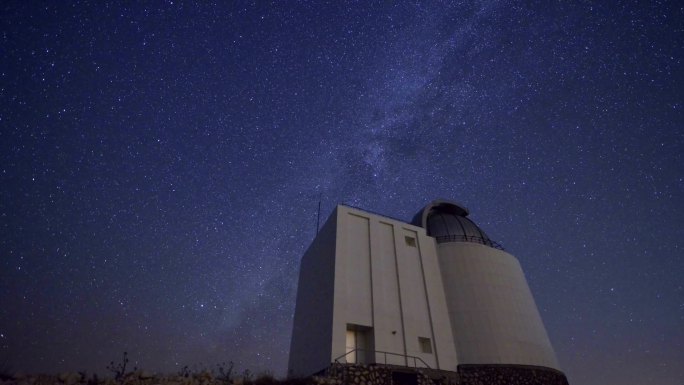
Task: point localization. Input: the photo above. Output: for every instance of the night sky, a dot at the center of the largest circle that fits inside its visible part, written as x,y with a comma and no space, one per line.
161,166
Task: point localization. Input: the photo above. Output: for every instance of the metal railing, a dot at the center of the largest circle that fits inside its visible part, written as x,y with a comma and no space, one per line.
375,352
468,238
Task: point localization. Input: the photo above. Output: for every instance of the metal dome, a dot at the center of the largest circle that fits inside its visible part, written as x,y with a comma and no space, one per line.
446,221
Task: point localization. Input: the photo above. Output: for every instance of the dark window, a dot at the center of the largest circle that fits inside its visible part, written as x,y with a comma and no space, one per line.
404,378
425,345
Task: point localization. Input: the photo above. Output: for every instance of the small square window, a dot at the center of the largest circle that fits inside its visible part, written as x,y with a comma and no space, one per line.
410,241
425,345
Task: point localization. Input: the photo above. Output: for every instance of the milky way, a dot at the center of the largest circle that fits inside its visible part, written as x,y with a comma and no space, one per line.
161,167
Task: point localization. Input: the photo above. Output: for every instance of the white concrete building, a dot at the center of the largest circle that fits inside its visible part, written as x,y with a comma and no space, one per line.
435,293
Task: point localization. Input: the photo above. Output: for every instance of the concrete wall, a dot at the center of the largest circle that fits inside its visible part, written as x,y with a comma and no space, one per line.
384,283
467,375
493,314
313,320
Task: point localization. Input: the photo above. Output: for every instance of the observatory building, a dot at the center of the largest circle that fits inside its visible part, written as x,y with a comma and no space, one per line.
433,295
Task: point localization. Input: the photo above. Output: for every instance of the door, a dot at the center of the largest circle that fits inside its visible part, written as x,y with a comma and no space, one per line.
351,347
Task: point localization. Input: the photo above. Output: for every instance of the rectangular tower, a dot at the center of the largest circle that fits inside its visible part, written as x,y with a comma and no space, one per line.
370,291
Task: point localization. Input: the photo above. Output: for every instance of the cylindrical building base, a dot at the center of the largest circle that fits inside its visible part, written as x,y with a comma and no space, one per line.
492,311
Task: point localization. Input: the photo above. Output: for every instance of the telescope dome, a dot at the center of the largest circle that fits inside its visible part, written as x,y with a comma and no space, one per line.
447,221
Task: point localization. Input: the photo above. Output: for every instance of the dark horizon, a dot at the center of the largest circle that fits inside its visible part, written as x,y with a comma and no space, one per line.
161,167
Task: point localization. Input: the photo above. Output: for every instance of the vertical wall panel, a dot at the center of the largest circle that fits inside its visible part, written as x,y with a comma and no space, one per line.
388,327
312,333
358,272
413,296
445,351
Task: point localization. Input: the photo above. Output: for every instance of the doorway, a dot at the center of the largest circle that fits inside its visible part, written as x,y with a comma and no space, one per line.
358,346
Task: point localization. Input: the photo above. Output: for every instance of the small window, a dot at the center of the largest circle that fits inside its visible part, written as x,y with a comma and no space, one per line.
410,241
425,345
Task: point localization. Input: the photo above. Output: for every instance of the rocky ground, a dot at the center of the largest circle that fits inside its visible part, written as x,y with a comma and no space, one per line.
145,378
337,374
